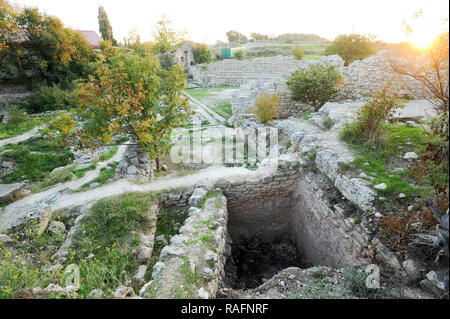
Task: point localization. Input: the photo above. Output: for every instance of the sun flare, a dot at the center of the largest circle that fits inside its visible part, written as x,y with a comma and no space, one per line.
422,39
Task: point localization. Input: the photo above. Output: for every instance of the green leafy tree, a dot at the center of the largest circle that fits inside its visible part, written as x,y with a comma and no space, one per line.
315,85
7,23
166,38
42,45
258,36
202,53
135,96
351,47
234,36
105,26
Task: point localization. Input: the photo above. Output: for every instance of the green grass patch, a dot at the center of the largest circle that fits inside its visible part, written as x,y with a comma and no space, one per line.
383,156
19,123
109,154
312,57
105,175
82,171
356,282
223,108
169,221
209,195
102,249
34,159
305,115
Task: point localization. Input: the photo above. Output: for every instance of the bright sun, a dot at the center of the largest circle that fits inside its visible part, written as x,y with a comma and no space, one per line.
421,38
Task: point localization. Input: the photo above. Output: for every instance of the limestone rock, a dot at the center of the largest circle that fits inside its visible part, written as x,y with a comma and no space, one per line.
329,162
435,283
169,251
57,227
411,156
412,268
44,219
203,293
96,294
4,239
139,275
123,292
356,192
197,197
11,192
381,186
59,169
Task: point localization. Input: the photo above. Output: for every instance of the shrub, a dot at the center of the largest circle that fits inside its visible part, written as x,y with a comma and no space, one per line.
371,119
328,123
17,124
298,52
49,98
202,54
351,47
315,85
356,281
238,55
266,107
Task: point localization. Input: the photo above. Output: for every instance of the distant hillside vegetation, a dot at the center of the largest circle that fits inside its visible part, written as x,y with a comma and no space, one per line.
300,37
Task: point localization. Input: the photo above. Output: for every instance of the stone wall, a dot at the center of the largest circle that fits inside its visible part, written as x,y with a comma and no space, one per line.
322,231
367,76
136,165
258,76
294,204
199,251
237,72
248,93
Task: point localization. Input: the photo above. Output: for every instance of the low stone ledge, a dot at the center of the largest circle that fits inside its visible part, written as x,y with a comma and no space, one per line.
192,265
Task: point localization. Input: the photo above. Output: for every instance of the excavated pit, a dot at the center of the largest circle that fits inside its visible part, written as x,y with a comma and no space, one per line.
289,221
252,263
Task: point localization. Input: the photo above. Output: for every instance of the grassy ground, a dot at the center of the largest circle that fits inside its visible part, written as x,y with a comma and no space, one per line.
34,159
169,221
18,124
270,49
212,98
26,264
312,57
105,175
109,233
380,161
103,249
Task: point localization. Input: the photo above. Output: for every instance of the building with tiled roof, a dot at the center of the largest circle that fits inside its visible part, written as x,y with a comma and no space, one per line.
92,38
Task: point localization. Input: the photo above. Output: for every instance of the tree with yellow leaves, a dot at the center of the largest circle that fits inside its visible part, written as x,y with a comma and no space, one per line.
133,95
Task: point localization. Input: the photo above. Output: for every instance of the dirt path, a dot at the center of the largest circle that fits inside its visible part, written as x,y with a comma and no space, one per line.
18,211
20,138
204,108
26,204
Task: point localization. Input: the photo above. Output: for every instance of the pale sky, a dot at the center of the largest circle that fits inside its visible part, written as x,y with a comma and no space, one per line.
208,21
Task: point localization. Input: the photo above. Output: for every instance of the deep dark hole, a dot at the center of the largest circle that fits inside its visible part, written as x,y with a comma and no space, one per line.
252,263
